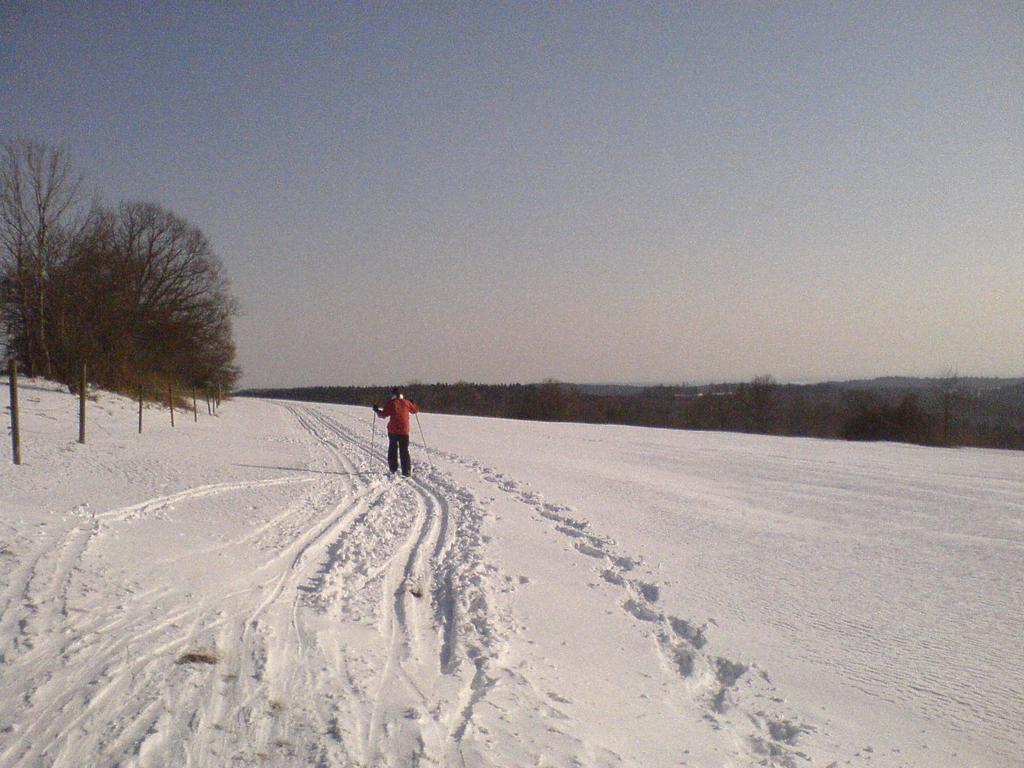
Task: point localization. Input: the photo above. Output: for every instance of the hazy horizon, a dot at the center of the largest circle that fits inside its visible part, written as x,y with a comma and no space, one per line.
487,193
694,383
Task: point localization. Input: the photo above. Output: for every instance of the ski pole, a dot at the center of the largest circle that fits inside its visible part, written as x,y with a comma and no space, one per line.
421,431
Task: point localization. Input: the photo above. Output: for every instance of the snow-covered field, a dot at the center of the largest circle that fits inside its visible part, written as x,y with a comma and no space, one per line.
253,590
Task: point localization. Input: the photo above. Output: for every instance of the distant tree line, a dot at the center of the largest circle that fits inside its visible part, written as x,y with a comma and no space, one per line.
133,290
944,411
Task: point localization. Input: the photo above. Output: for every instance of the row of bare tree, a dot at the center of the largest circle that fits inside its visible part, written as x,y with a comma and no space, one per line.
134,289
945,411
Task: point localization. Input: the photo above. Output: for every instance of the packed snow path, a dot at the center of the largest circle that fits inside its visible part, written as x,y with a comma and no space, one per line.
291,604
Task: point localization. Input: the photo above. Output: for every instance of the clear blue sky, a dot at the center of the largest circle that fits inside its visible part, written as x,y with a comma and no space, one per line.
591,192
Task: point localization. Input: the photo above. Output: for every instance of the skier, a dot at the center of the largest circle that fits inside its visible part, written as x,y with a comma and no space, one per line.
397,410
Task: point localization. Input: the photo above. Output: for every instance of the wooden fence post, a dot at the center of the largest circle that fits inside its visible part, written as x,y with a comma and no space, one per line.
12,371
170,401
140,407
82,386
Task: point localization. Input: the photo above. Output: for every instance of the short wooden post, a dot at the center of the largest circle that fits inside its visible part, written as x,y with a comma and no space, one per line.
140,407
195,409
12,371
170,401
82,385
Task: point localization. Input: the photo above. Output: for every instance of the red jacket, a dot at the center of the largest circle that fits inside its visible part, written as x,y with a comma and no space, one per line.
399,408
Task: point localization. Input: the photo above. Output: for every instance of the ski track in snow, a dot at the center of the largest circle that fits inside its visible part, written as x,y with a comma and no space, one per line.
373,632
733,695
399,558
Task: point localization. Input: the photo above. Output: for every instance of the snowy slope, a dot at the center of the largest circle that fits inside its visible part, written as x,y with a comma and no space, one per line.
538,594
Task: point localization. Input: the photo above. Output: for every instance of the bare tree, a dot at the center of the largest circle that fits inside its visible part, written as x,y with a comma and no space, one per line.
758,400
167,300
39,194
951,396
136,290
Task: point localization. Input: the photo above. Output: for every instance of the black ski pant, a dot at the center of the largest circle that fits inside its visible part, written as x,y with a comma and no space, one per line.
399,444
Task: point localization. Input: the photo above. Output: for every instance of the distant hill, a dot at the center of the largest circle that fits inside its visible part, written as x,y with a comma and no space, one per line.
972,383
976,411
611,389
